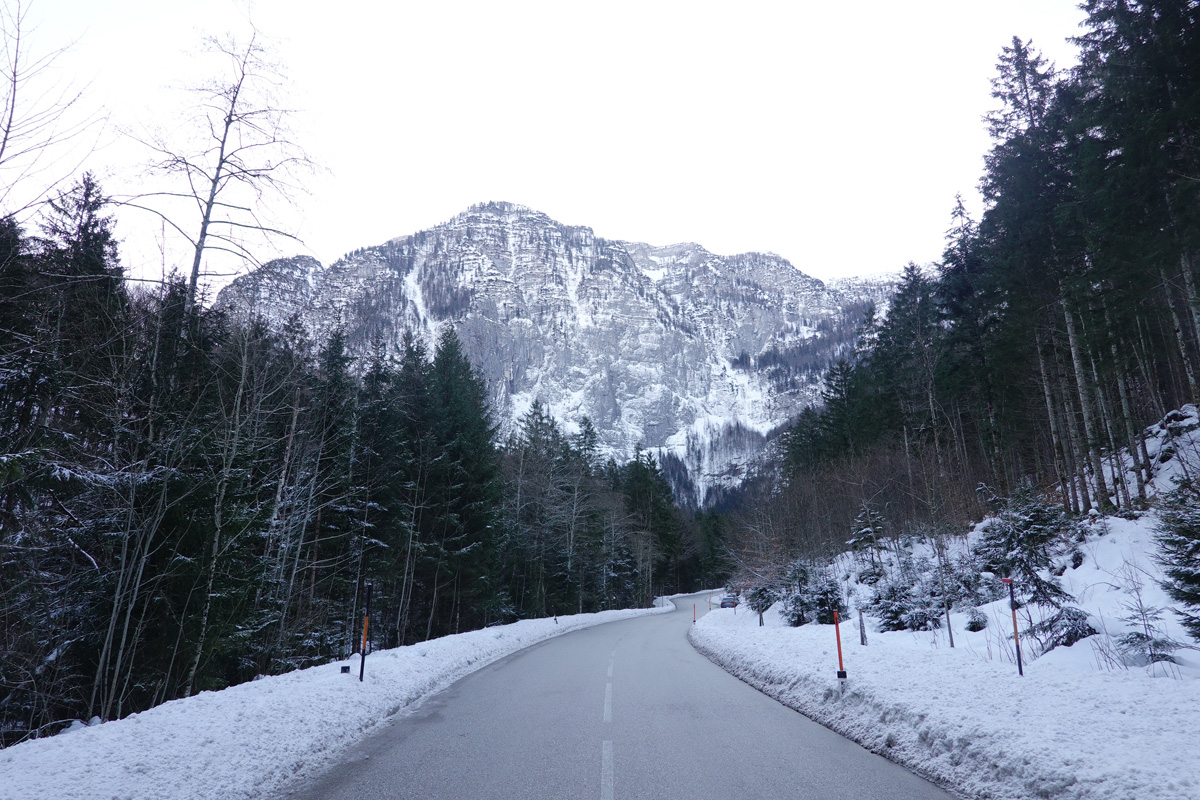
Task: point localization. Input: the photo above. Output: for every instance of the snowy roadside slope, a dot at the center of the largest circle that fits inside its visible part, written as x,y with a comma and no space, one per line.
252,739
972,725
1084,722
1076,726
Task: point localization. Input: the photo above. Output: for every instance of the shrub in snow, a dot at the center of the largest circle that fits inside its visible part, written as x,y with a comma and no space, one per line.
794,597
1142,649
911,596
827,598
890,605
760,598
1076,558
794,608
811,594
967,587
900,607
1178,540
868,533
1062,629
1021,540
923,618
1147,644
871,574
977,622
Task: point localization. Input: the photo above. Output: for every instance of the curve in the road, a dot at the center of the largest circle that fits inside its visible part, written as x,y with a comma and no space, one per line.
623,710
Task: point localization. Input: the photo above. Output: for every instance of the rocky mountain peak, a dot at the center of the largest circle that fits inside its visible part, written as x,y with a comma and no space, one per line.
699,356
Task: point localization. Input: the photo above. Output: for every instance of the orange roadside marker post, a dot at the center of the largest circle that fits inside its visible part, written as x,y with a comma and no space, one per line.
362,665
837,632
1012,600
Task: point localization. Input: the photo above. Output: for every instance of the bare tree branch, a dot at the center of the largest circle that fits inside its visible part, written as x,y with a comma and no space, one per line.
241,152
38,118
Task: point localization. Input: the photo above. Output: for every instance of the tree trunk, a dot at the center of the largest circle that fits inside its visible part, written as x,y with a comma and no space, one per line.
1085,405
1077,456
1142,356
1126,412
1114,454
1068,496
1189,290
1180,340
229,457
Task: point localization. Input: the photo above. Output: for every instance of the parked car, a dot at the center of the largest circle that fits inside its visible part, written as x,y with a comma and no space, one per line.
729,601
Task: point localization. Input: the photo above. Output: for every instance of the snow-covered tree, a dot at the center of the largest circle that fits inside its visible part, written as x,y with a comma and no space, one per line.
1020,541
1179,553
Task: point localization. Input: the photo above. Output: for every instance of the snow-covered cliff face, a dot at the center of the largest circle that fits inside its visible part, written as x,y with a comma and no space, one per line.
672,348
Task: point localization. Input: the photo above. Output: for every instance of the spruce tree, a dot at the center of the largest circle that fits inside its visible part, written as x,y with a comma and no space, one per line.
1178,540
1019,542
468,484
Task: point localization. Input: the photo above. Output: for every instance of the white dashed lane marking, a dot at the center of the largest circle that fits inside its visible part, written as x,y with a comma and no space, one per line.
608,702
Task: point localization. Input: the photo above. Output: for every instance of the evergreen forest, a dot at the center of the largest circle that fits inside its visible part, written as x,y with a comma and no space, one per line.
1009,379
188,501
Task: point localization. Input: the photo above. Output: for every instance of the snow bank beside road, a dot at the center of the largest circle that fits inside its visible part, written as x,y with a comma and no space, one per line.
252,739
1094,720
972,724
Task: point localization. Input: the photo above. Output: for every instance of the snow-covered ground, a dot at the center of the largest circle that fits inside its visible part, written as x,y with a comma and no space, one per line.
253,739
1085,721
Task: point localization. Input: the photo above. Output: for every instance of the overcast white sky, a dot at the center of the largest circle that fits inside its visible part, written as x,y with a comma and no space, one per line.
835,134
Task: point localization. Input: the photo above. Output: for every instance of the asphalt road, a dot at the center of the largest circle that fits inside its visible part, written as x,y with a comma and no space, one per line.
623,710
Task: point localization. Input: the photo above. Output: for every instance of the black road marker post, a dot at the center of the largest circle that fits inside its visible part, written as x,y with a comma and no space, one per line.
1012,599
362,665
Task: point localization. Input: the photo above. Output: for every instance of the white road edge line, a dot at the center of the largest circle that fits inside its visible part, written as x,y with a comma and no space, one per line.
608,702
606,772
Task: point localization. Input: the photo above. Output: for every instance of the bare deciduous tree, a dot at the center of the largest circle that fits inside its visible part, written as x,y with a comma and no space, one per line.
237,151
40,117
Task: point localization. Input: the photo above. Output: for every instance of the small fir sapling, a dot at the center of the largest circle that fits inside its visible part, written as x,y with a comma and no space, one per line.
827,598
978,620
890,604
811,595
868,532
1144,649
1021,540
796,603
760,598
794,608
970,587
1178,539
923,617
926,606
1147,644
912,597
1064,628
871,574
